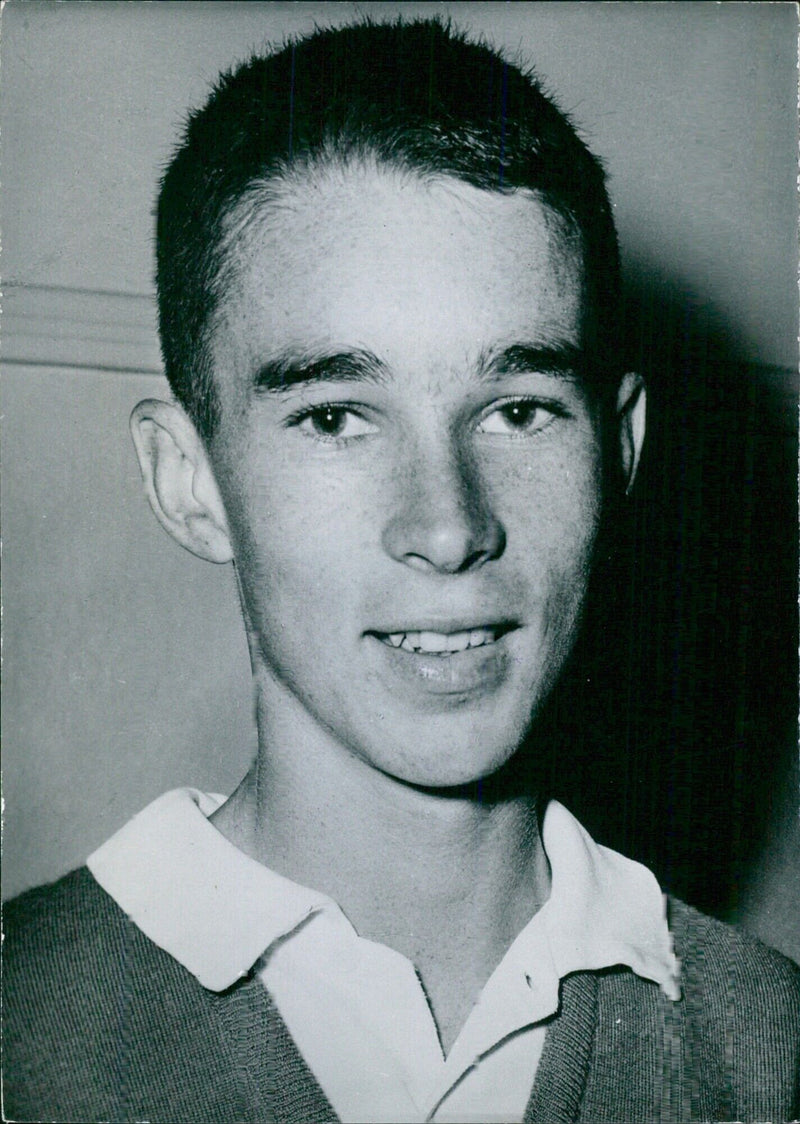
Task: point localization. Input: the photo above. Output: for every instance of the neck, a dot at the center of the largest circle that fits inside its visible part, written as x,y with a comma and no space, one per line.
445,877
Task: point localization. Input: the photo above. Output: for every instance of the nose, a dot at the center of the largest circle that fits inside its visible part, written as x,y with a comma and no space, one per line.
443,521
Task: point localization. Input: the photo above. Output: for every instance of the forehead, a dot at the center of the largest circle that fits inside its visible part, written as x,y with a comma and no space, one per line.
418,271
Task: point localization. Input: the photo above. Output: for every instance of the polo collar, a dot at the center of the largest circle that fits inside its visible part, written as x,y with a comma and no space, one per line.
218,912
196,895
604,909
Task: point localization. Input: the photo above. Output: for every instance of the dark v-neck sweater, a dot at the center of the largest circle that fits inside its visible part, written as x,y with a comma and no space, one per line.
101,1024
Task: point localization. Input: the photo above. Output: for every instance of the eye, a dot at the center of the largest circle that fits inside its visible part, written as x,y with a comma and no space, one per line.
331,422
518,417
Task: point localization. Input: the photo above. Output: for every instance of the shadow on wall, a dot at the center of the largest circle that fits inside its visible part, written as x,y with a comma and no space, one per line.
677,743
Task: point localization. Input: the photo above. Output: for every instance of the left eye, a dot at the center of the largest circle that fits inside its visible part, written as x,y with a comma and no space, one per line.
334,422
522,416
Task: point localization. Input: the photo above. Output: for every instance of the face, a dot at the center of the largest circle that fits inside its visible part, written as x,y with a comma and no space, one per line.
410,466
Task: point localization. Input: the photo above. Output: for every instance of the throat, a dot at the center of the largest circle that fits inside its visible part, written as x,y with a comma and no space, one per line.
452,988
456,939
446,880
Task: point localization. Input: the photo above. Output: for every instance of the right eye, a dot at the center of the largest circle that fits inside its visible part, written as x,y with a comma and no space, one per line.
333,423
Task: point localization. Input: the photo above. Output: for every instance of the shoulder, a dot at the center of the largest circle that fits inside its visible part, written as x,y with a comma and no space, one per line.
48,929
724,962
63,938
55,912
79,988
741,1008
71,937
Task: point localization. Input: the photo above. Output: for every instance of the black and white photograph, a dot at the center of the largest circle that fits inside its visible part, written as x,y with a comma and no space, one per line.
399,554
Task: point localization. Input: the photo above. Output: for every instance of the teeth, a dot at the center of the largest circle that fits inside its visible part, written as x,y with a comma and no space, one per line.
459,641
433,641
441,643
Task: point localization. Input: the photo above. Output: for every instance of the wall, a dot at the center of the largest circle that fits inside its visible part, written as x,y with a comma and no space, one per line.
124,668
691,105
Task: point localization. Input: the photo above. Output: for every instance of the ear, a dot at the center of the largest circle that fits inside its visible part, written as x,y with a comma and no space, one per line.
631,411
179,481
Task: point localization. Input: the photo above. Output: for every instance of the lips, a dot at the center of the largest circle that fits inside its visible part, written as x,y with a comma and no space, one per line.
447,666
433,643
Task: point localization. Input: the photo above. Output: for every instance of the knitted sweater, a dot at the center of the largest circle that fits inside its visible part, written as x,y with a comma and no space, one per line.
101,1024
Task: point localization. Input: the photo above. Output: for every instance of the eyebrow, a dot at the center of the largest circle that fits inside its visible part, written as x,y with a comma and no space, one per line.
560,360
289,370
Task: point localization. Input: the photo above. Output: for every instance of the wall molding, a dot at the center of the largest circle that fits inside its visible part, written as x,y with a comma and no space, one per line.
99,330
47,325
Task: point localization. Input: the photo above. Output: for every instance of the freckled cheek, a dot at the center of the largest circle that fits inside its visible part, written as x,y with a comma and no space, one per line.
551,511
556,556
295,528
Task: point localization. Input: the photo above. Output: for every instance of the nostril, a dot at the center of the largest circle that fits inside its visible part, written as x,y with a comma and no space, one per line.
417,562
450,545
443,521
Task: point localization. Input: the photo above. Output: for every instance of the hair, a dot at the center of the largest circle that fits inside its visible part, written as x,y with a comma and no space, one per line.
416,96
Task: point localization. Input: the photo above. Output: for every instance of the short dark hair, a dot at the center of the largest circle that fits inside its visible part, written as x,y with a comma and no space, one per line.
412,95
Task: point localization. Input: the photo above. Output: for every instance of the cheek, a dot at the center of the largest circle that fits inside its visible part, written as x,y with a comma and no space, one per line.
551,506
297,529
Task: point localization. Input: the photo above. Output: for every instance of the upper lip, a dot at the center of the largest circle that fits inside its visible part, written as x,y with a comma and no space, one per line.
446,627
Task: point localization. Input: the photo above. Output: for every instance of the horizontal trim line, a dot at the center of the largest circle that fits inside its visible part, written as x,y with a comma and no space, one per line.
151,372
84,329
23,285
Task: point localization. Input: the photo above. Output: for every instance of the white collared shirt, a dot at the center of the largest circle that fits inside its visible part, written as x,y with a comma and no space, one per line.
356,1009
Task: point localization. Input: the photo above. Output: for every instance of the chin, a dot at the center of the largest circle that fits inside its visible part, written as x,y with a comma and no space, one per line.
452,771
489,751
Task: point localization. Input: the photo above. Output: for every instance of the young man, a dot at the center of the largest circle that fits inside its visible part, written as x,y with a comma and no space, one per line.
389,300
